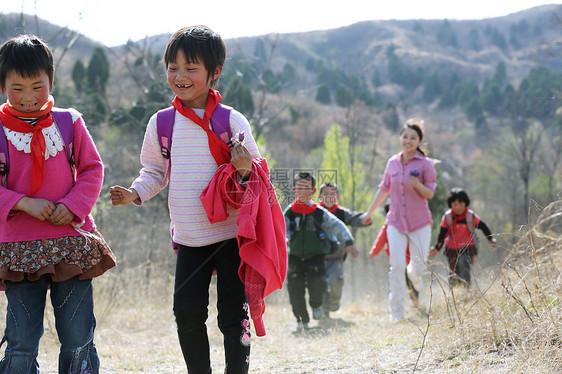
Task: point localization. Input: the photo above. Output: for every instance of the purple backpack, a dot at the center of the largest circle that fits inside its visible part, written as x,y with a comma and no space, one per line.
63,120
220,122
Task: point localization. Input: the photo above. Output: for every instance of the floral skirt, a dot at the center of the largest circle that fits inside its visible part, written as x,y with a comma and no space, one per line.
63,258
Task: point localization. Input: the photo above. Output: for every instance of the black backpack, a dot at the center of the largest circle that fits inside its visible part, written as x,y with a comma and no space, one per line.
331,243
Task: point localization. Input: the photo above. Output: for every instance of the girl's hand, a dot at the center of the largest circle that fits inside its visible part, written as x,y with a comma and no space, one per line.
122,196
414,180
38,208
242,160
367,220
432,252
62,215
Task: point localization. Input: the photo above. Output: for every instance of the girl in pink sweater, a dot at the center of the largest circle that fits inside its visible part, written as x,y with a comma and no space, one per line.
48,238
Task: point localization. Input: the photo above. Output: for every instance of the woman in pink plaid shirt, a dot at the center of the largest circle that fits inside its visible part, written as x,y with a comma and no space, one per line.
409,178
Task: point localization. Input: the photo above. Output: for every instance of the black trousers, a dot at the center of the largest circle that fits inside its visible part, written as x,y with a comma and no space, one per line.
303,274
194,270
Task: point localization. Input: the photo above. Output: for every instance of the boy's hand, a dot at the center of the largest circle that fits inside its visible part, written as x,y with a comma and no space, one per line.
474,259
122,196
242,160
367,220
62,215
38,208
433,252
493,242
352,251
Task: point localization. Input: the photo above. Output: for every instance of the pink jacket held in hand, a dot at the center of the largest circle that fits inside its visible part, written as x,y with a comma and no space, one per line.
261,231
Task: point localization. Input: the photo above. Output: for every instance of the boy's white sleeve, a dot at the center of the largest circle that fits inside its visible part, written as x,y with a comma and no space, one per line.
152,177
332,224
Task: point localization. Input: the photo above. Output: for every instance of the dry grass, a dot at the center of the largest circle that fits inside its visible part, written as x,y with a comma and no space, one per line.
511,323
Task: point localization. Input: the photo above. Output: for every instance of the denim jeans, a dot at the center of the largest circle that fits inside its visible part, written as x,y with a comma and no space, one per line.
334,284
75,322
459,273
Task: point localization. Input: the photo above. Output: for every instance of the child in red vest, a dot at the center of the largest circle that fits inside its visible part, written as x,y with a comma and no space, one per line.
457,233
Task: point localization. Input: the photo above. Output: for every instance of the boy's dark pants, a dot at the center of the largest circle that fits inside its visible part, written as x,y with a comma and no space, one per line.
303,274
194,270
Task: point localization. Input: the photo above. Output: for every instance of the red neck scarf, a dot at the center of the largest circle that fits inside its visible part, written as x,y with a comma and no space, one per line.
460,216
219,149
333,208
301,208
8,116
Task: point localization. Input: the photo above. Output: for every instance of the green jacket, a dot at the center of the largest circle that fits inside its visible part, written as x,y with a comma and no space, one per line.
303,238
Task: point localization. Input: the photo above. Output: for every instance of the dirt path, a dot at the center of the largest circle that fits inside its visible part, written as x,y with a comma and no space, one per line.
359,339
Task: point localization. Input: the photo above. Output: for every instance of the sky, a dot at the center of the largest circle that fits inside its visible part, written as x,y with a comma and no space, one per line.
114,22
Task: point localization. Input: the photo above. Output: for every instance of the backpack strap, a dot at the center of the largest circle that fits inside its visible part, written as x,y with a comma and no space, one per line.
470,220
318,214
65,124
450,221
220,123
4,156
449,218
164,128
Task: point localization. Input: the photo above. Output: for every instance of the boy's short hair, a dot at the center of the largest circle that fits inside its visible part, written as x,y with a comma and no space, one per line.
198,43
27,56
457,194
303,175
329,185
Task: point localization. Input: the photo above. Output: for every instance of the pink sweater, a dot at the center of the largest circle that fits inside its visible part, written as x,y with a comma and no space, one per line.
58,186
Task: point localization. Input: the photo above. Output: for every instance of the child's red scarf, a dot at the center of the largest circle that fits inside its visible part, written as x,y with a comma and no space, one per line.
8,116
333,208
219,149
301,208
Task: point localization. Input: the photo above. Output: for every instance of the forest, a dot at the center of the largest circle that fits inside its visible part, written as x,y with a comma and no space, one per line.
332,102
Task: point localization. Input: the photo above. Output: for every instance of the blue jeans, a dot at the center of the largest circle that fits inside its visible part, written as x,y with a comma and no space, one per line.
73,305
334,284
459,273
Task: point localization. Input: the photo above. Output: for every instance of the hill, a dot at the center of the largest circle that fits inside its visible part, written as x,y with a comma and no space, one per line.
470,49
488,90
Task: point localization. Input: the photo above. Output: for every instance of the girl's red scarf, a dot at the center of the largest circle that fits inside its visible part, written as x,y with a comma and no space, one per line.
333,208
461,216
301,208
219,149
9,117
